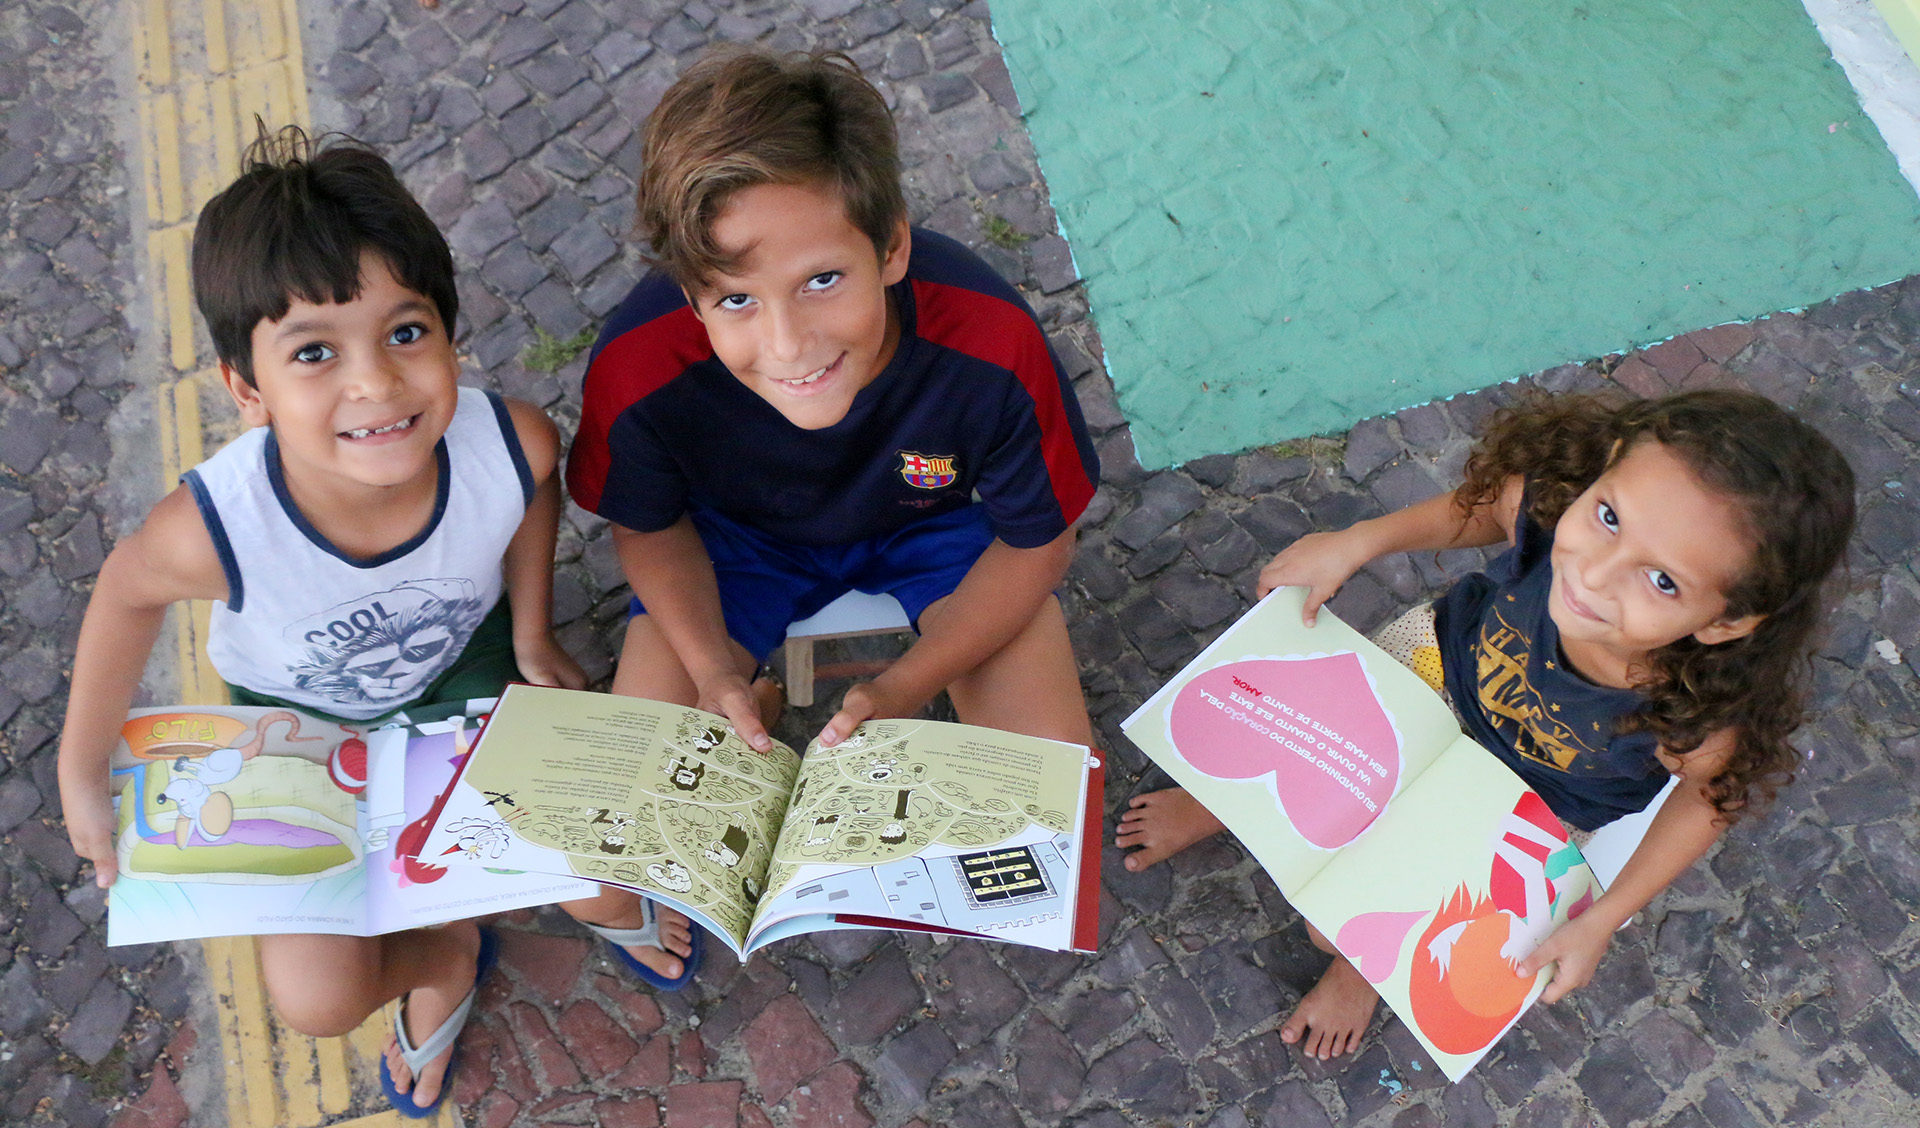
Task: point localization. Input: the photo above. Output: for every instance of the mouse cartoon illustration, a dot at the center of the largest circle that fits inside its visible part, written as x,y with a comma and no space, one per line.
191,790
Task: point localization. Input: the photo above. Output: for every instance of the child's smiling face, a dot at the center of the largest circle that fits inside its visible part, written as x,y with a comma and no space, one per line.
1641,560
804,319
358,392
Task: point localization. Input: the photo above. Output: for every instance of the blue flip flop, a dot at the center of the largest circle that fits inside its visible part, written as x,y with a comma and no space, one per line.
619,939
436,1044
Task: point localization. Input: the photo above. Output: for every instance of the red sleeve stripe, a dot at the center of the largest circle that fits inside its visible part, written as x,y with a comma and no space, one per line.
626,370
1002,334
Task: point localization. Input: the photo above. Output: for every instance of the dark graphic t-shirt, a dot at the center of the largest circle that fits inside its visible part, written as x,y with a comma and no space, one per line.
1500,652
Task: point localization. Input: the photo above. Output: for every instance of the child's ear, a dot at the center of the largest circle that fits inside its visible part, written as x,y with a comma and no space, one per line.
893,266
246,397
1726,630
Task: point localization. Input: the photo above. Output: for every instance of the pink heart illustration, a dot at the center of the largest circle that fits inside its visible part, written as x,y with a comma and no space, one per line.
1313,723
1372,941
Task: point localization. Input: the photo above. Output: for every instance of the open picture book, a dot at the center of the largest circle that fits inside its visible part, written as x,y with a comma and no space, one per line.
1427,861
909,824
238,821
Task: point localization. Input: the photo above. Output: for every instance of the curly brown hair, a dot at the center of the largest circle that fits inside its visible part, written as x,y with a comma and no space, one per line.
1794,494
742,117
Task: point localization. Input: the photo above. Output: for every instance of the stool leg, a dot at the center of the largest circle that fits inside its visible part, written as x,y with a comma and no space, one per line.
800,672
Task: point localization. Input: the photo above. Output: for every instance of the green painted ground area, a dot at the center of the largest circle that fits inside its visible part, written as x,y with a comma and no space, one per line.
1292,214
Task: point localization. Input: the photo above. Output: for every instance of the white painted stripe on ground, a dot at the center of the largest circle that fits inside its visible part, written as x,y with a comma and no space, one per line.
1882,74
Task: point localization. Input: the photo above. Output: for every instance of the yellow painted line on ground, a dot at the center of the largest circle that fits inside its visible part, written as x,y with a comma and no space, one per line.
297,1073
213,31
206,68
151,41
336,1079
233,965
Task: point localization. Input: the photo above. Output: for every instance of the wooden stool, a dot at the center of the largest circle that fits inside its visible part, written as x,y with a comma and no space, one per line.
852,615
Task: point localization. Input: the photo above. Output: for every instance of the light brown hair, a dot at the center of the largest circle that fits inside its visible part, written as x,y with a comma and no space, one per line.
740,118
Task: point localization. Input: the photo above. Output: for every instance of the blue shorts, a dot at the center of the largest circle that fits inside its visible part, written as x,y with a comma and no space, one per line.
766,584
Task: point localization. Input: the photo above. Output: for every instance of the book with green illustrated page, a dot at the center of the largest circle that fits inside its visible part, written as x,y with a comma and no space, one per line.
240,821
1426,860
909,824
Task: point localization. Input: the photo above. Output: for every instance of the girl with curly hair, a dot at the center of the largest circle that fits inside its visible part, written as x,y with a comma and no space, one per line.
1652,619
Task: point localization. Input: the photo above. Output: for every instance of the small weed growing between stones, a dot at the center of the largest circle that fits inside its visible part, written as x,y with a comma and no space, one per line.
1001,233
548,353
1322,449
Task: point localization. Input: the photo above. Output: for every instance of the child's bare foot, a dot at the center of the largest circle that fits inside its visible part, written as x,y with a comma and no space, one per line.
1334,1014
1161,824
429,1005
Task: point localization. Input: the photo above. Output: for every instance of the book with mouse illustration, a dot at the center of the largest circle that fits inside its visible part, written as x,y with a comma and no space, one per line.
1426,860
911,824
240,821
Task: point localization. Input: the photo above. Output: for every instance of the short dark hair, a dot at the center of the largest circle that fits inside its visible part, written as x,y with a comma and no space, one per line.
294,226
741,117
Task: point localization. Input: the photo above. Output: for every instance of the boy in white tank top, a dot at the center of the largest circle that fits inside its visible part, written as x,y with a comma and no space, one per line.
356,544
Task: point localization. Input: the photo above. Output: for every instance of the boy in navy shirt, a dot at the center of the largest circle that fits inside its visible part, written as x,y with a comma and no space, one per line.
806,397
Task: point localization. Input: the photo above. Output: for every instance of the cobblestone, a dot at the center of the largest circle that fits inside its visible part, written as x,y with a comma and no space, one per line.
1756,991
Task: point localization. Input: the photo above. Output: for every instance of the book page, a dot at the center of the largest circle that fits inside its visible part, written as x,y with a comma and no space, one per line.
410,769
650,796
1299,738
942,825
1438,904
232,822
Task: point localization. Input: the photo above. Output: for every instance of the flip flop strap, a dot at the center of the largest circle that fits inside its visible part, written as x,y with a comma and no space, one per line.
436,1044
647,935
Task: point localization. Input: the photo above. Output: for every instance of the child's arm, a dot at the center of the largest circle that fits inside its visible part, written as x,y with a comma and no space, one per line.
170,559
1321,562
673,578
1686,825
995,601
528,564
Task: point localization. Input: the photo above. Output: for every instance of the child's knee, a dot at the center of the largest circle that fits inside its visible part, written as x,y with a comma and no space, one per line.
320,985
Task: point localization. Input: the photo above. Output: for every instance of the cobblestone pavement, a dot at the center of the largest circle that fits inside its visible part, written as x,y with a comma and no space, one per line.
1775,983
81,1025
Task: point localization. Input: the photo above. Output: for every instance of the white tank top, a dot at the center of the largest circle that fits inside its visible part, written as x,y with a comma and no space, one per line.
305,622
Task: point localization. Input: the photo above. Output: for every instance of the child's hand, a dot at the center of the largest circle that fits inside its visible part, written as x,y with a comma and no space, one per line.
543,661
90,826
864,702
731,696
1319,562
1577,947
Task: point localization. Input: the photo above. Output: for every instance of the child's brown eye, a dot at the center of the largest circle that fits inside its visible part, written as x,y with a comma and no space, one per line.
1662,582
313,354
1608,517
407,334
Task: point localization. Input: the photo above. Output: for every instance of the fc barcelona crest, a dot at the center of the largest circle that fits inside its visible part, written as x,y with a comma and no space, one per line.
927,471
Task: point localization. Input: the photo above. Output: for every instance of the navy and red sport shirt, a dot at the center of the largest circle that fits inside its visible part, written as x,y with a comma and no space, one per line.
973,401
